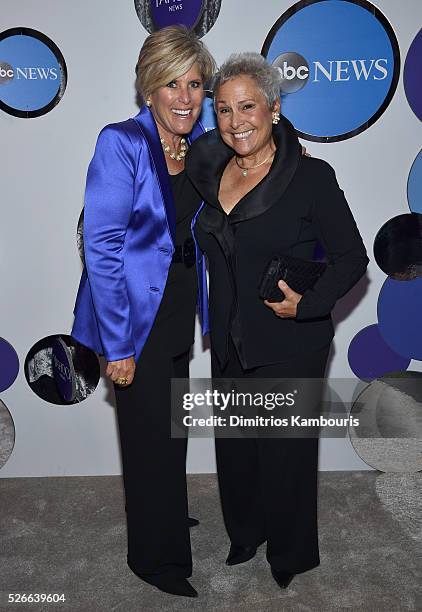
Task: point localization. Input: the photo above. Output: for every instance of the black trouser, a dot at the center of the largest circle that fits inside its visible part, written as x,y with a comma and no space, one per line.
268,486
154,467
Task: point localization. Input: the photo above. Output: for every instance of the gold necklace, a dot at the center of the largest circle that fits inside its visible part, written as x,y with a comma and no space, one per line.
245,170
178,156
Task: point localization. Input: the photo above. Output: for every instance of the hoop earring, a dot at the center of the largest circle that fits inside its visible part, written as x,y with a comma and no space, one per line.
276,117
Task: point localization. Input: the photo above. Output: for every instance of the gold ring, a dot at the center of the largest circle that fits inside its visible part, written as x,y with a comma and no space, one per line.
121,380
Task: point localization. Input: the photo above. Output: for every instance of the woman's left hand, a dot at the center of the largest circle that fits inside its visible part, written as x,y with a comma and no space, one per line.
287,308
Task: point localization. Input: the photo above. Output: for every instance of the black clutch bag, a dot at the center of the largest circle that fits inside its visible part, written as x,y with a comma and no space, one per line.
299,274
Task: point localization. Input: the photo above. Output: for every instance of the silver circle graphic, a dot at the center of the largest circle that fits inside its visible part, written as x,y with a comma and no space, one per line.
61,371
389,434
294,71
7,434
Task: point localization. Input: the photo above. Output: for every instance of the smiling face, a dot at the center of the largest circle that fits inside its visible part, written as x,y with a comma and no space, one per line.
243,116
177,105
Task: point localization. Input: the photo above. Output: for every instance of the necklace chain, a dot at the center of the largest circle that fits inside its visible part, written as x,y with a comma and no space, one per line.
177,155
246,170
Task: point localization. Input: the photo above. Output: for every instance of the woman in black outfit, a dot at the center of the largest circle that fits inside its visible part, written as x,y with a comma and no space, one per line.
263,198
154,463
137,297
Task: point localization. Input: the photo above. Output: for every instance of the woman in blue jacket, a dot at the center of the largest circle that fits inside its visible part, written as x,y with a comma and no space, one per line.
137,297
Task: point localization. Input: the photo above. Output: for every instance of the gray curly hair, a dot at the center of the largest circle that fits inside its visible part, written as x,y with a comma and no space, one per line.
267,77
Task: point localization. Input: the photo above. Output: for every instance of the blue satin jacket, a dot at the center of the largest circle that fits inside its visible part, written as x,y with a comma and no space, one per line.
129,233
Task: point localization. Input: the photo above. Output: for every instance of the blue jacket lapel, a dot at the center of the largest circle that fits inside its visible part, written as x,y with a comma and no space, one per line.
148,127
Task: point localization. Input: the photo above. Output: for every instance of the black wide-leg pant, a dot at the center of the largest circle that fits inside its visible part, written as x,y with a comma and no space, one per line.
268,486
154,467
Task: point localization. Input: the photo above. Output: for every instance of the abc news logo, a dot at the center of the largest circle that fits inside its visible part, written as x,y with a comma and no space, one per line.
296,72
7,73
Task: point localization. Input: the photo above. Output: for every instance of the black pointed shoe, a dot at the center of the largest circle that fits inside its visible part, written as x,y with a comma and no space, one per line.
283,579
173,586
168,584
240,554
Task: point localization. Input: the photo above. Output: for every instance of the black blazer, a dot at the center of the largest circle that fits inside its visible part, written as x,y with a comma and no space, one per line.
295,205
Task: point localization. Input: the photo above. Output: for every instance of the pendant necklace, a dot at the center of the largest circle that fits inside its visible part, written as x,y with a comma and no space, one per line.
246,170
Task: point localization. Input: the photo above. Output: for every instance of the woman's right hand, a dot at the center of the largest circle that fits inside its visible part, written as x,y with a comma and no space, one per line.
123,369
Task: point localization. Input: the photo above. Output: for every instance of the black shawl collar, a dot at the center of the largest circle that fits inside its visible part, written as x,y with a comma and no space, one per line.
208,157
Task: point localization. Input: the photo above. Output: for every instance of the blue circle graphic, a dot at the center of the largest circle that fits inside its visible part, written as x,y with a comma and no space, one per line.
414,185
32,73
198,15
370,357
399,316
9,361
352,66
412,75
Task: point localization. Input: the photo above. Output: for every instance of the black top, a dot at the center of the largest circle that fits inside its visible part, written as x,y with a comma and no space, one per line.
174,324
295,205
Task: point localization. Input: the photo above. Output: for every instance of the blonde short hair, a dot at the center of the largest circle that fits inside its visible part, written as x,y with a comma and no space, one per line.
169,53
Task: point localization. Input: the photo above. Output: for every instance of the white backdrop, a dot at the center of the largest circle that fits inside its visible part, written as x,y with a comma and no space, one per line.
44,161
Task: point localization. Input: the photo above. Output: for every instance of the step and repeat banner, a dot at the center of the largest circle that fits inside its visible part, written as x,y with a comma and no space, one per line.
351,85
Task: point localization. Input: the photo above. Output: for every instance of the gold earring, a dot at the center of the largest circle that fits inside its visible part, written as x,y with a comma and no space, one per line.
276,117
148,103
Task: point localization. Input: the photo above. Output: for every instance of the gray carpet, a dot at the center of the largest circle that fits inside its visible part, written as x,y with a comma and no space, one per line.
67,535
